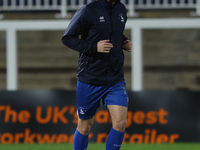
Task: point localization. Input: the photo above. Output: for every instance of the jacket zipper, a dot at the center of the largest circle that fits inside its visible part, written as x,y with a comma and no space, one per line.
109,55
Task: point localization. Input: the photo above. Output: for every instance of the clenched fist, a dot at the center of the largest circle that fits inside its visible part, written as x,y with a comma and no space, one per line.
104,46
127,45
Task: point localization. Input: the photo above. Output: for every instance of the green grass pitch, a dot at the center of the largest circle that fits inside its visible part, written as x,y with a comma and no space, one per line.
93,146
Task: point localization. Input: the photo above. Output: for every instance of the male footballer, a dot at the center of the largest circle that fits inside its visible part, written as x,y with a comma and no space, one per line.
100,71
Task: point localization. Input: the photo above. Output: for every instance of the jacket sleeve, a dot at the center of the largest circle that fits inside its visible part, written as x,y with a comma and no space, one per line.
124,38
78,25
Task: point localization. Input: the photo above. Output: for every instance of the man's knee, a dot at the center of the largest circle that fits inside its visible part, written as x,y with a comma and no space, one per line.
120,125
84,126
85,130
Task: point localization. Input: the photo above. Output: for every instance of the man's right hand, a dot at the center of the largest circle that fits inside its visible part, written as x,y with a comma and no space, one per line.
104,46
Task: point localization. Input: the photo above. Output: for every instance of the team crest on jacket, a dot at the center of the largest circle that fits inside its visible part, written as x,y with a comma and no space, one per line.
102,19
121,17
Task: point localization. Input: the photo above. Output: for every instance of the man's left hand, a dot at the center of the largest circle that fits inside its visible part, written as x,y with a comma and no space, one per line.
127,45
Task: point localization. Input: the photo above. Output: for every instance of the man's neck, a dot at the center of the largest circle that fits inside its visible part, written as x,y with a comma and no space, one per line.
111,2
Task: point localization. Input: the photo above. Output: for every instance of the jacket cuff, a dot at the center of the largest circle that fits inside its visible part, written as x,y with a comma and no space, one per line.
124,38
93,48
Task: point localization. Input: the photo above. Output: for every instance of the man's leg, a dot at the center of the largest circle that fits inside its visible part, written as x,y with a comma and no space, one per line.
119,121
80,141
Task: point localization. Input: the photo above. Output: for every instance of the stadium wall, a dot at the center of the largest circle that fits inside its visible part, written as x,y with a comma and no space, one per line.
165,66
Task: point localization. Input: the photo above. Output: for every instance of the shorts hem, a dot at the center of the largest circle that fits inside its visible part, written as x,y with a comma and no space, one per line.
85,118
116,104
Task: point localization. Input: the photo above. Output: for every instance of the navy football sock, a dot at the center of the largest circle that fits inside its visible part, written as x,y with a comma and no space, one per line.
114,140
80,141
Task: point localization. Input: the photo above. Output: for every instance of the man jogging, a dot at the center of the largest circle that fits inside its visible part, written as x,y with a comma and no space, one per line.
100,71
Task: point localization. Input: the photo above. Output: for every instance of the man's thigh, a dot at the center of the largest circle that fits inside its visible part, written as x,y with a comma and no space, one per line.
119,116
118,113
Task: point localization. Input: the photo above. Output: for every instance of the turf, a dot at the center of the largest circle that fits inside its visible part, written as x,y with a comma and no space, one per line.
92,146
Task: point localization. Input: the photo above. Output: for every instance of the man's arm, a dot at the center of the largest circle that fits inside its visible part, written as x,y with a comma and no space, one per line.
124,37
77,26
127,44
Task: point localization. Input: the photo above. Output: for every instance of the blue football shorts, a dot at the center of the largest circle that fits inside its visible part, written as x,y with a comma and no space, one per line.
88,97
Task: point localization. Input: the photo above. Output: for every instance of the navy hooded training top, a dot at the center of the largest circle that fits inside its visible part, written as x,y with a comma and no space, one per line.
96,21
